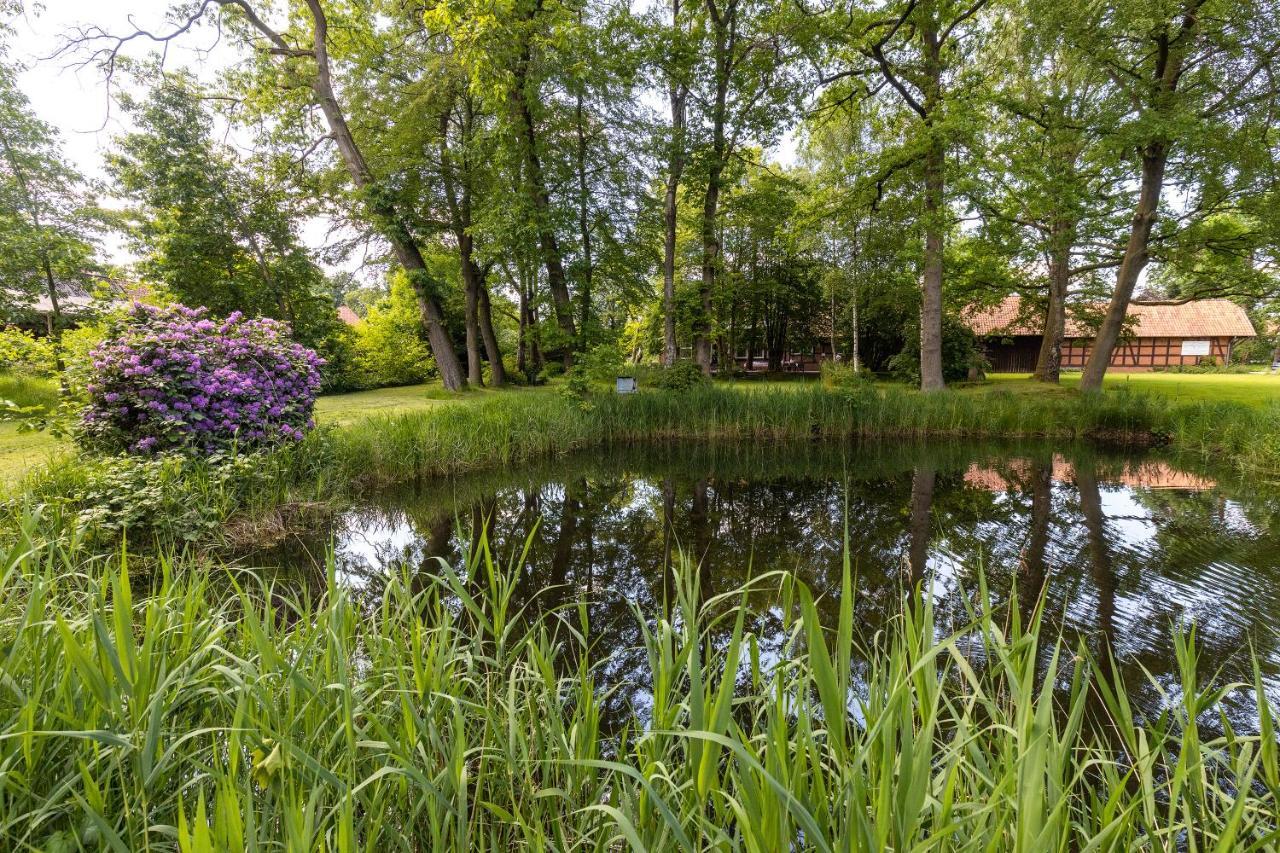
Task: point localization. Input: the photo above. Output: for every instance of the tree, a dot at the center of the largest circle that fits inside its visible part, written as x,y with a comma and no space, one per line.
743,95
1044,168
1199,79
299,57
47,222
212,230
921,50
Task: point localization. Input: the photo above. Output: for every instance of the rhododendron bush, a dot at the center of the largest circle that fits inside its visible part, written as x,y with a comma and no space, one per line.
175,379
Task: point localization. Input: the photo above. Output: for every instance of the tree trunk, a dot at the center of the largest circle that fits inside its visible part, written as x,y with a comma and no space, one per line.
935,164
711,200
677,93
584,230
497,370
1049,362
1035,569
458,196
923,481
394,228
1154,157
547,242
475,372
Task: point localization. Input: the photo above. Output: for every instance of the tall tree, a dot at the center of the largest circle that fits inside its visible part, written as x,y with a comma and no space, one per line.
299,56
1199,76
742,96
921,51
47,223
1045,169
209,228
677,70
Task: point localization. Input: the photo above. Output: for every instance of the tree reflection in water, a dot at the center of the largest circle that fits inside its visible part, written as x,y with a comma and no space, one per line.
1124,548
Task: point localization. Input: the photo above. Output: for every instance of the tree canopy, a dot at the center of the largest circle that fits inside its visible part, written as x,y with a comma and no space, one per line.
726,181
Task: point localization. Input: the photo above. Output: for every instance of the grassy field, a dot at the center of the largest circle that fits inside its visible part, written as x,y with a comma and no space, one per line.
1252,389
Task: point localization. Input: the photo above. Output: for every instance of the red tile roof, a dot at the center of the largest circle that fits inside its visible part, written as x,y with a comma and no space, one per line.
1201,318
348,316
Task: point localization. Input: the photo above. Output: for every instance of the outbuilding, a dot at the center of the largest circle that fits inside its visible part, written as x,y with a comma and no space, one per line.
1159,334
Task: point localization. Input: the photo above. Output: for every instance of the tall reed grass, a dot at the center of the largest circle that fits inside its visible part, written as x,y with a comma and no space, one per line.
213,710
191,498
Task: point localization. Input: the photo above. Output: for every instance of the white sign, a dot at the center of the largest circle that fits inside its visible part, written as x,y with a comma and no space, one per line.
1195,347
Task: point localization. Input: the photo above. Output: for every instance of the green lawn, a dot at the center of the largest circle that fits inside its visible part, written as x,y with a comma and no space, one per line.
1254,389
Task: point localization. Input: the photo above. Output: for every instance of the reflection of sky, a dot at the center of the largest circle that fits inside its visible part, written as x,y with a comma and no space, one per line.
1170,557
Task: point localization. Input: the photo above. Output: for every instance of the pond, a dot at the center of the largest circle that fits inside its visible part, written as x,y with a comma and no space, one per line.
1125,547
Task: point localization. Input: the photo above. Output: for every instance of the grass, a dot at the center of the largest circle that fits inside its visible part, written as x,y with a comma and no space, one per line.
190,500
1250,389
213,710
20,452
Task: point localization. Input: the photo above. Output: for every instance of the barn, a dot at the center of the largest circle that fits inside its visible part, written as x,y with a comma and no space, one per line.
1159,334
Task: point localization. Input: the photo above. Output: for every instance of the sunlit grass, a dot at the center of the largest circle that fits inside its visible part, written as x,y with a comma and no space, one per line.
210,710
1251,389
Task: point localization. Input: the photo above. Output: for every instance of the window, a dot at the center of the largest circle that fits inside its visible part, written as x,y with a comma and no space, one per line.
1195,347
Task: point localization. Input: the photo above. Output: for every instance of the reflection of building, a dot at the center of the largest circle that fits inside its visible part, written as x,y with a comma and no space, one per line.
1148,474
1160,334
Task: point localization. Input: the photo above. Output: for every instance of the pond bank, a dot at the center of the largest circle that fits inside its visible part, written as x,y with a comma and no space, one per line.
191,500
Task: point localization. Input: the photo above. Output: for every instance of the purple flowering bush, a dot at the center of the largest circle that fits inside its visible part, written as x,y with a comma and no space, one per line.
172,378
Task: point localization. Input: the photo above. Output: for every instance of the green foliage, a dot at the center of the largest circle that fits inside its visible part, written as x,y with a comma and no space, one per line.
390,347
681,376
577,387
215,231
22,352
231,711
173,497
836,375
603,363
960,353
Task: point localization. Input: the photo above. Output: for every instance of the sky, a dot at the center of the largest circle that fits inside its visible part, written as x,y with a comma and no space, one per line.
75,100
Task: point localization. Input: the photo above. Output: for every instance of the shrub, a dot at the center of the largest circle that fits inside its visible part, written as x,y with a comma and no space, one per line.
959,353
681,376
577,387
390,347
22,352
174,379
837,375
604,363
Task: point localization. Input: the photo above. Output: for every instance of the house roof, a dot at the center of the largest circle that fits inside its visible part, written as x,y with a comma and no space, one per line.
348,316
1200,318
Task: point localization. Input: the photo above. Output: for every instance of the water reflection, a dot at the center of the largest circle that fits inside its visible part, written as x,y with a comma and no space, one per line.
1123,548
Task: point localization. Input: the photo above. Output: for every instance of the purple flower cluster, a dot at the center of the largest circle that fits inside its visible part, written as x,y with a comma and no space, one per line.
173,379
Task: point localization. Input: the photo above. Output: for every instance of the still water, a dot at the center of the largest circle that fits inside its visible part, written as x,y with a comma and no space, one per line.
1125,547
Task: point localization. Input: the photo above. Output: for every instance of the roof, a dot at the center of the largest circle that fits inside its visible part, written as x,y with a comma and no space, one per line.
76,295
348,316
1199,318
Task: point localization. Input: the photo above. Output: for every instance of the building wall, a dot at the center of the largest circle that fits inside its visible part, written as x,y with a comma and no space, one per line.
1018,354
1146,353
